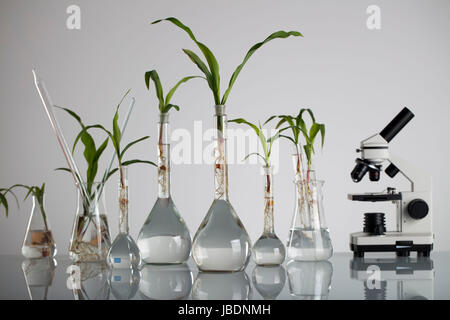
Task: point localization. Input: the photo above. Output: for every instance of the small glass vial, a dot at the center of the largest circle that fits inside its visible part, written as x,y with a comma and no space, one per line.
124,252
268,250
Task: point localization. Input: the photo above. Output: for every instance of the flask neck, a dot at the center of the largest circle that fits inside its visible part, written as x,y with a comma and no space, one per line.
220,154
95,203
123,200
163,156
268,200
38,213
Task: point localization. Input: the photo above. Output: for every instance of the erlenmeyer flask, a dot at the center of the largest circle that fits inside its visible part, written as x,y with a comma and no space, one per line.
221,242
90,240
268,250
39,275
164,238
124,252
38,241
309,238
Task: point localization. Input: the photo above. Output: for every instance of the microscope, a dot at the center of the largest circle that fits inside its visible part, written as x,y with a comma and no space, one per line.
413,207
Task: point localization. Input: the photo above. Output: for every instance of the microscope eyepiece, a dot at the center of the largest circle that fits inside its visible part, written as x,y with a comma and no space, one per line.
397,124
359,171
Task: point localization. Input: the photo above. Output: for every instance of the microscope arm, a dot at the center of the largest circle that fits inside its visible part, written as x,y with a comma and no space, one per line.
419,180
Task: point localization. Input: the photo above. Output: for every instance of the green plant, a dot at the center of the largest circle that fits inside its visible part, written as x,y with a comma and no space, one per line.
211,71
164,102
115,135
298,126
266,143
92,154
38,193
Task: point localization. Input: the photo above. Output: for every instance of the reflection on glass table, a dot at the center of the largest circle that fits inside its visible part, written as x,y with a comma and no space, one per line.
222,286
124,283
89,281
342,277
269,281
309,280
38,275
400,278
165,282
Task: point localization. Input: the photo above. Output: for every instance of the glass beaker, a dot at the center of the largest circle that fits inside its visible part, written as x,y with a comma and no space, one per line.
221,242
268,250
90,240
124,252
309,238
164,238
38,241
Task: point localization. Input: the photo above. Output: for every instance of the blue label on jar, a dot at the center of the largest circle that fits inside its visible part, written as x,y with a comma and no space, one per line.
117,260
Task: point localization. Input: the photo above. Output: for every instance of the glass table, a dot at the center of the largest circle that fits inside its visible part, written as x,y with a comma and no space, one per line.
342,277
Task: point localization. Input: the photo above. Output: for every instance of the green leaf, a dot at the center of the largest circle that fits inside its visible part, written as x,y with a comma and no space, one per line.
130,162
73,114
131,144
93,165
203,68
153,75
270,119
275,35
172,91
254,154
4,202
170,106
63,169
287,137
322,133
207,53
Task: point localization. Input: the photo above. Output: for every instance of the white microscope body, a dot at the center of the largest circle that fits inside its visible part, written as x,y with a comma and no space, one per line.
414,214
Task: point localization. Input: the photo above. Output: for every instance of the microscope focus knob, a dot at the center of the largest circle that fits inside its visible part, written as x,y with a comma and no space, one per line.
418,209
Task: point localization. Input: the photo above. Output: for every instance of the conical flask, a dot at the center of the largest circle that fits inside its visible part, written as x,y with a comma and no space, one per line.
221,242
124,252
39,274
268,250
309,237
38,241
91,239
164,238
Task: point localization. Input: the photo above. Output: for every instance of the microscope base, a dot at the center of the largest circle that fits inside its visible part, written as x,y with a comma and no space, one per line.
400,243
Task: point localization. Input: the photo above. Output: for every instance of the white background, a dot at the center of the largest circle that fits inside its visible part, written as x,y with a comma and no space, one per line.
353,78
